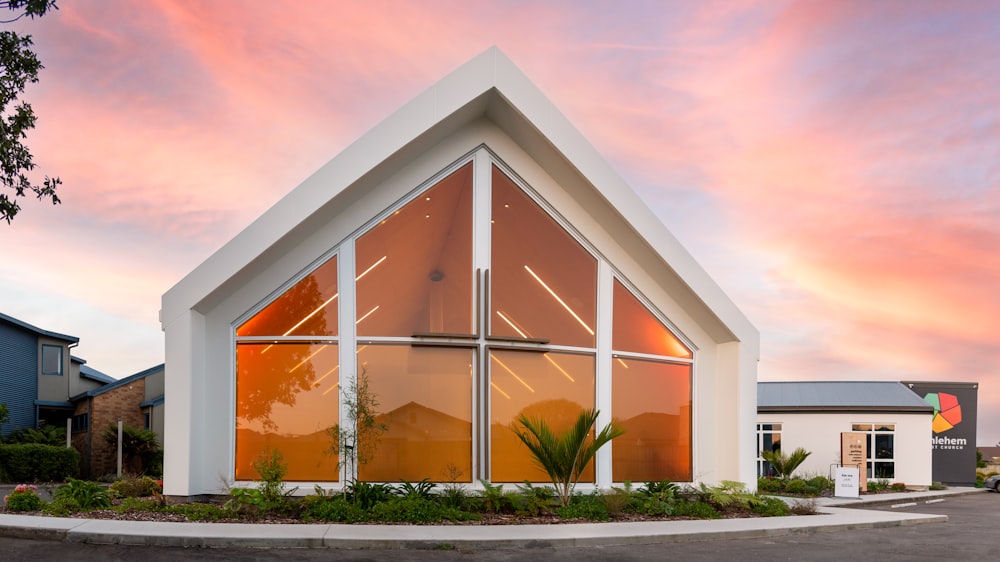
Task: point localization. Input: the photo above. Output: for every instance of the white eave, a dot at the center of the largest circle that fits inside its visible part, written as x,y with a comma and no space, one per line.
489,86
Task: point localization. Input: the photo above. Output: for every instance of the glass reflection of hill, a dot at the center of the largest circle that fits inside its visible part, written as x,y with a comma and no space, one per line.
422,442
655,446
305,455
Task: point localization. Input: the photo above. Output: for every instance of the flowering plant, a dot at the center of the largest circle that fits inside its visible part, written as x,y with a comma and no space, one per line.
23,498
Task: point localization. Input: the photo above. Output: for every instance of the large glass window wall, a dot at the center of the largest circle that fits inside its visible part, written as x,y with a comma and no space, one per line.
460,323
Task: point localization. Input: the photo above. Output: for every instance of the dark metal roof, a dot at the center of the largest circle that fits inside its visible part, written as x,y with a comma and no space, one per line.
37,330
887,396
126,380
95,375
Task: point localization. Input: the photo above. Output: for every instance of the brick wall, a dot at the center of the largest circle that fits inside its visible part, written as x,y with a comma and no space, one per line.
121,403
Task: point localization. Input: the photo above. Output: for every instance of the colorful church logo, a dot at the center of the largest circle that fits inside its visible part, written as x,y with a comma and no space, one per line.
947,411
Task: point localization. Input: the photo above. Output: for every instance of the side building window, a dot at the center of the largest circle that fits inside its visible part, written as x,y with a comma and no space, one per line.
881,449
768,439
81,422
52,360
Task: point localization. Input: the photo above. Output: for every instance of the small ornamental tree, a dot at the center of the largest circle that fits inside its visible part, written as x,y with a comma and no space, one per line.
358,439
564,457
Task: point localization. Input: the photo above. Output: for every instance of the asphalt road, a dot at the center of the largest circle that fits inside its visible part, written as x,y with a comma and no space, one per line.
971,533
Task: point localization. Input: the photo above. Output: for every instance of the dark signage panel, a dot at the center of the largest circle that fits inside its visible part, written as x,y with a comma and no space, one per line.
953,431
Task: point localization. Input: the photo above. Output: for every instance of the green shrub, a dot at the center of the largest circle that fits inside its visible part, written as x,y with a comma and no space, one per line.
898,487
663,489
769,485
38,463
423,489
648,505
727,494
368,494
61,507
44,435
617,501
272,468
796,486
821,483
493,499
331,508
771,507
531,501
414,509
129,486
134,504
23,498
199,511
590,507
86,495
880,485
454,495
697,510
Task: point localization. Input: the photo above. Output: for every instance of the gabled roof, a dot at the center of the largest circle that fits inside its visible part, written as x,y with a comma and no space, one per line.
122,382
488,87
36,330
95,375
832,396
90,372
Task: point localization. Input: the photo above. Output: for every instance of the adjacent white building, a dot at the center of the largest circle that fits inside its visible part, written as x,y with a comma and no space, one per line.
474,258
812,415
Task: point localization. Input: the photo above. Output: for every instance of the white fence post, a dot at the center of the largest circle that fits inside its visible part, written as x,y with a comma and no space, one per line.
119,448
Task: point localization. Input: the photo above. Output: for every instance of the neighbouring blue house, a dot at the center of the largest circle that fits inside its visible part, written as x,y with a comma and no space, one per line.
38,375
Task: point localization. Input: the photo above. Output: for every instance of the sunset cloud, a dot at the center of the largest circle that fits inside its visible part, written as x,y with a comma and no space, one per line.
834,165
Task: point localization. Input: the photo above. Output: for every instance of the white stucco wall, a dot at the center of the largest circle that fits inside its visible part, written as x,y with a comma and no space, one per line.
819,433
199,312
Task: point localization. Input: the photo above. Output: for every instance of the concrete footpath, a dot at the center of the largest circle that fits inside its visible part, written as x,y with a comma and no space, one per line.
834,515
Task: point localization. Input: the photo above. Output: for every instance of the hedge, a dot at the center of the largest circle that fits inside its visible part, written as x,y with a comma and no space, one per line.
33,462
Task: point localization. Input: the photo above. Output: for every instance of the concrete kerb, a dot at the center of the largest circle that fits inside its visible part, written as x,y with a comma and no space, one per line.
147,533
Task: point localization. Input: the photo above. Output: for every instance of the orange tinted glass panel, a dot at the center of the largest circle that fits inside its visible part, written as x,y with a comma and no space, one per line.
638,331
554,387
415,267
543,283
309,308
286,398
652,402
424,396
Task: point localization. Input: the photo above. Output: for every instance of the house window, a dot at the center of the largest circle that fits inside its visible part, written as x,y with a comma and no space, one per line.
768,439
467,305
147,420
52,360
881,451
81,422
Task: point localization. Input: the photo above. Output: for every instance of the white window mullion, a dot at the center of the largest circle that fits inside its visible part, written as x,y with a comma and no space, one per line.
481,201
348,336
605,282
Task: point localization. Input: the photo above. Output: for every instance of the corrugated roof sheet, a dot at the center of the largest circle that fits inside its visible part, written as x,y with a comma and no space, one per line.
95,375
838,395
37,330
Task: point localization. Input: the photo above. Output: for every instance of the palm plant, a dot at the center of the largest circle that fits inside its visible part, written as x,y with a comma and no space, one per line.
564,457
138,445
784,465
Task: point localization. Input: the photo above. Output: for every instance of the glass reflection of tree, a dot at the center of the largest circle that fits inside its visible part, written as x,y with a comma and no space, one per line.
275,373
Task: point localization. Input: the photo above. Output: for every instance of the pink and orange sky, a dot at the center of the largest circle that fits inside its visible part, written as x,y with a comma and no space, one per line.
835,166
